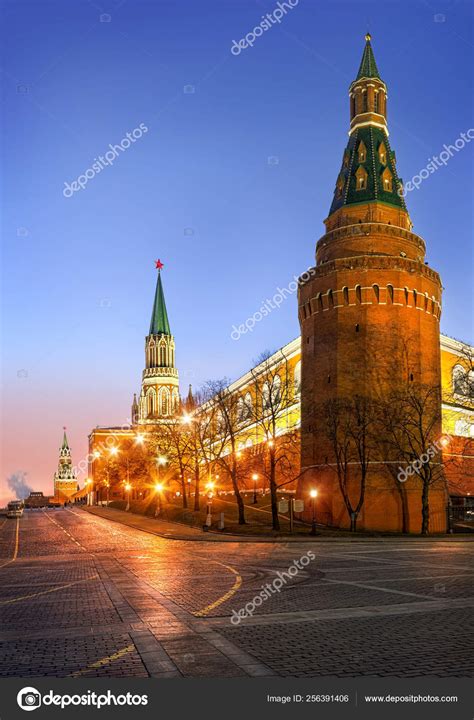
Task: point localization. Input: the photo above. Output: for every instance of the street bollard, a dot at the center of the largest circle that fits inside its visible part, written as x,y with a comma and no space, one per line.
221,524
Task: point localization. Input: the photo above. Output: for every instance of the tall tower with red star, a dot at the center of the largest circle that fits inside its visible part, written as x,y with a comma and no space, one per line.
159,396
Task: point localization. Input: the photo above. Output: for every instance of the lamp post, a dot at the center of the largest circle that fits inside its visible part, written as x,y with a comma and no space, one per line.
159,487
128,487
313,495
159,506
210,492
255,478
89,485
95,456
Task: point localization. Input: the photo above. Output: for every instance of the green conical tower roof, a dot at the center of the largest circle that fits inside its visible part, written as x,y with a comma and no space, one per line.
159,324
368,67
368,171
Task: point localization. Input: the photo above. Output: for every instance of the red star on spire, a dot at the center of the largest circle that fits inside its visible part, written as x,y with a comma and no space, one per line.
158,264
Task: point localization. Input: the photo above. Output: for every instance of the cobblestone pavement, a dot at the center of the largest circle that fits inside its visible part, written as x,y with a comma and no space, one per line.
83,596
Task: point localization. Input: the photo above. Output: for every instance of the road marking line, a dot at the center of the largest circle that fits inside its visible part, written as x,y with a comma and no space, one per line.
17,539
104,661
373,586
237,584
65,531
46,592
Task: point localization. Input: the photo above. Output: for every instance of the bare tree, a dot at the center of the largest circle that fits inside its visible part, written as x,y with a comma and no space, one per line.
224,435
274,398
173,441
349,425
412,425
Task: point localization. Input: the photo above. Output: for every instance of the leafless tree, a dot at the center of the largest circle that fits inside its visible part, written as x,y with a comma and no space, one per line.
224,435
349,425
411,419
274,396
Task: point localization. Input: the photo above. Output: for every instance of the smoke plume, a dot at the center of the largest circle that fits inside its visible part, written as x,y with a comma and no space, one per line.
17,484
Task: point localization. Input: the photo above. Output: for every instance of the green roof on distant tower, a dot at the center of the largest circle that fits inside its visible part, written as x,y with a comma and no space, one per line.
159,324
368,67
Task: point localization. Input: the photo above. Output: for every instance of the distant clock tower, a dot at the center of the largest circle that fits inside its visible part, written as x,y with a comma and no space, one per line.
65,481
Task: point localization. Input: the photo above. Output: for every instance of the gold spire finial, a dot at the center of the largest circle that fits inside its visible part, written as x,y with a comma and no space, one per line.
368,37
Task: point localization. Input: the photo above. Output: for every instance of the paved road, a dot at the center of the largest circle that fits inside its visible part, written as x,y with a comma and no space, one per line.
82,596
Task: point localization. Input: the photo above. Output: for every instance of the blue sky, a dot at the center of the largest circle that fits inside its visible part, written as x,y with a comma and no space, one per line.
198,189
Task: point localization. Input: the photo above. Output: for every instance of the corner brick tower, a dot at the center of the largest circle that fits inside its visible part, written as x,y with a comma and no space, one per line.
369,312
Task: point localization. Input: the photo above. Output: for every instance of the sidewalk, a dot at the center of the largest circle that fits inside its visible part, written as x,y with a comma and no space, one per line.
180,531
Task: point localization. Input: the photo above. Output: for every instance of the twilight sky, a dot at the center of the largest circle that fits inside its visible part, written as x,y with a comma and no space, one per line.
229,186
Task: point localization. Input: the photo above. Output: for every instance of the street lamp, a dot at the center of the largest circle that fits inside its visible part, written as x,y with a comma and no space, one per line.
140,439
88,486
158,489
255,478
313,495
210,485
186,419
128,487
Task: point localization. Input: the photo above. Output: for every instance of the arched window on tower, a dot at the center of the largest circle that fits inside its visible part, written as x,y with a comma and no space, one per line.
376,102
339,186
330,299
175,402
389,294
151,402
320,301
345,295
376,293
162,355
406,295
164,399
361,178
415,298
387,180
364,101
358,294
382,153
362,152
352,106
